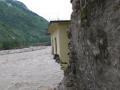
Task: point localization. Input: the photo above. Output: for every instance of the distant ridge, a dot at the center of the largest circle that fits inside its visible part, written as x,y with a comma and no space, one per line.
20,27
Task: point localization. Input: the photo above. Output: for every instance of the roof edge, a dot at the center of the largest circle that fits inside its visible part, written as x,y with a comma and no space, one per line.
55,21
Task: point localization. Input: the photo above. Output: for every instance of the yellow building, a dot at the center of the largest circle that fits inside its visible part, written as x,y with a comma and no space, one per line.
59,41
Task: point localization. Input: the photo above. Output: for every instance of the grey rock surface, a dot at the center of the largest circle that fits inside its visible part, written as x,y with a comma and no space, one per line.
95,46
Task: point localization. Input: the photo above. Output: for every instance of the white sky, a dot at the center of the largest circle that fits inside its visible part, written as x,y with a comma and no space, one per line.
50,9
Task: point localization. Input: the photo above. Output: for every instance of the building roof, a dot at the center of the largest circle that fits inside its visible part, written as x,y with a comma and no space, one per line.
59,21
58,24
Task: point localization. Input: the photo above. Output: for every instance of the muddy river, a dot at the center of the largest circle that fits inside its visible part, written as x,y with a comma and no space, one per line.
29,69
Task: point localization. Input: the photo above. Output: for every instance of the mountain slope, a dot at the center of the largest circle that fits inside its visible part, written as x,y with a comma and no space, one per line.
19,26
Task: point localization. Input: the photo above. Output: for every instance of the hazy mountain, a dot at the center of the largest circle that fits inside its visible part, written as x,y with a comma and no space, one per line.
19,26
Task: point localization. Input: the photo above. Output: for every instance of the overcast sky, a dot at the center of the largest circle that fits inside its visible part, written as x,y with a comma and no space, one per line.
50,9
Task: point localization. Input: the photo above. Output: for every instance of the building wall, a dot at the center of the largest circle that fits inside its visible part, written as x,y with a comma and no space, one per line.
59,31
54,35
64,48
64,45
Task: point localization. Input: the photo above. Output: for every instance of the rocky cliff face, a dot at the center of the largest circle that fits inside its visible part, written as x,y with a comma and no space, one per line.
95,46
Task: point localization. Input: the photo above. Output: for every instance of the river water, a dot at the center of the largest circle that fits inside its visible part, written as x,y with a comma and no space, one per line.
30,69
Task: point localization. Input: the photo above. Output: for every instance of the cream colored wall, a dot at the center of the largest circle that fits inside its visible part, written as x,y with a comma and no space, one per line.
62,43
54,35
64,46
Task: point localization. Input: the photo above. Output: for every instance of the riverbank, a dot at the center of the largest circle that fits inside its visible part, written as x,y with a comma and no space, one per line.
29,69
12,51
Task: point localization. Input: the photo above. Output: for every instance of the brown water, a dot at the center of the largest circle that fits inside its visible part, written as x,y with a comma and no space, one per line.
32,70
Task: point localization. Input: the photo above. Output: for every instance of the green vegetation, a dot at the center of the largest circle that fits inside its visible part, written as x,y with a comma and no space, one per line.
19,27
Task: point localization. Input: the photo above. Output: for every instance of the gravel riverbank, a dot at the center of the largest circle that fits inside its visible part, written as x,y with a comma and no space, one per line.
29,69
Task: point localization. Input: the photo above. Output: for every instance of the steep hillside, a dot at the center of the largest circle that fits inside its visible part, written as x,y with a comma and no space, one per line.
20,27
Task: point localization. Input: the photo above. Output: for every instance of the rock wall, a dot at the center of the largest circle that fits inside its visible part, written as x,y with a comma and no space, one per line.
94,45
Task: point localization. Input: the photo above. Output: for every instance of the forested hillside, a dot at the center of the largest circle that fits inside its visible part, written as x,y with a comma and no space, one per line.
20,27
